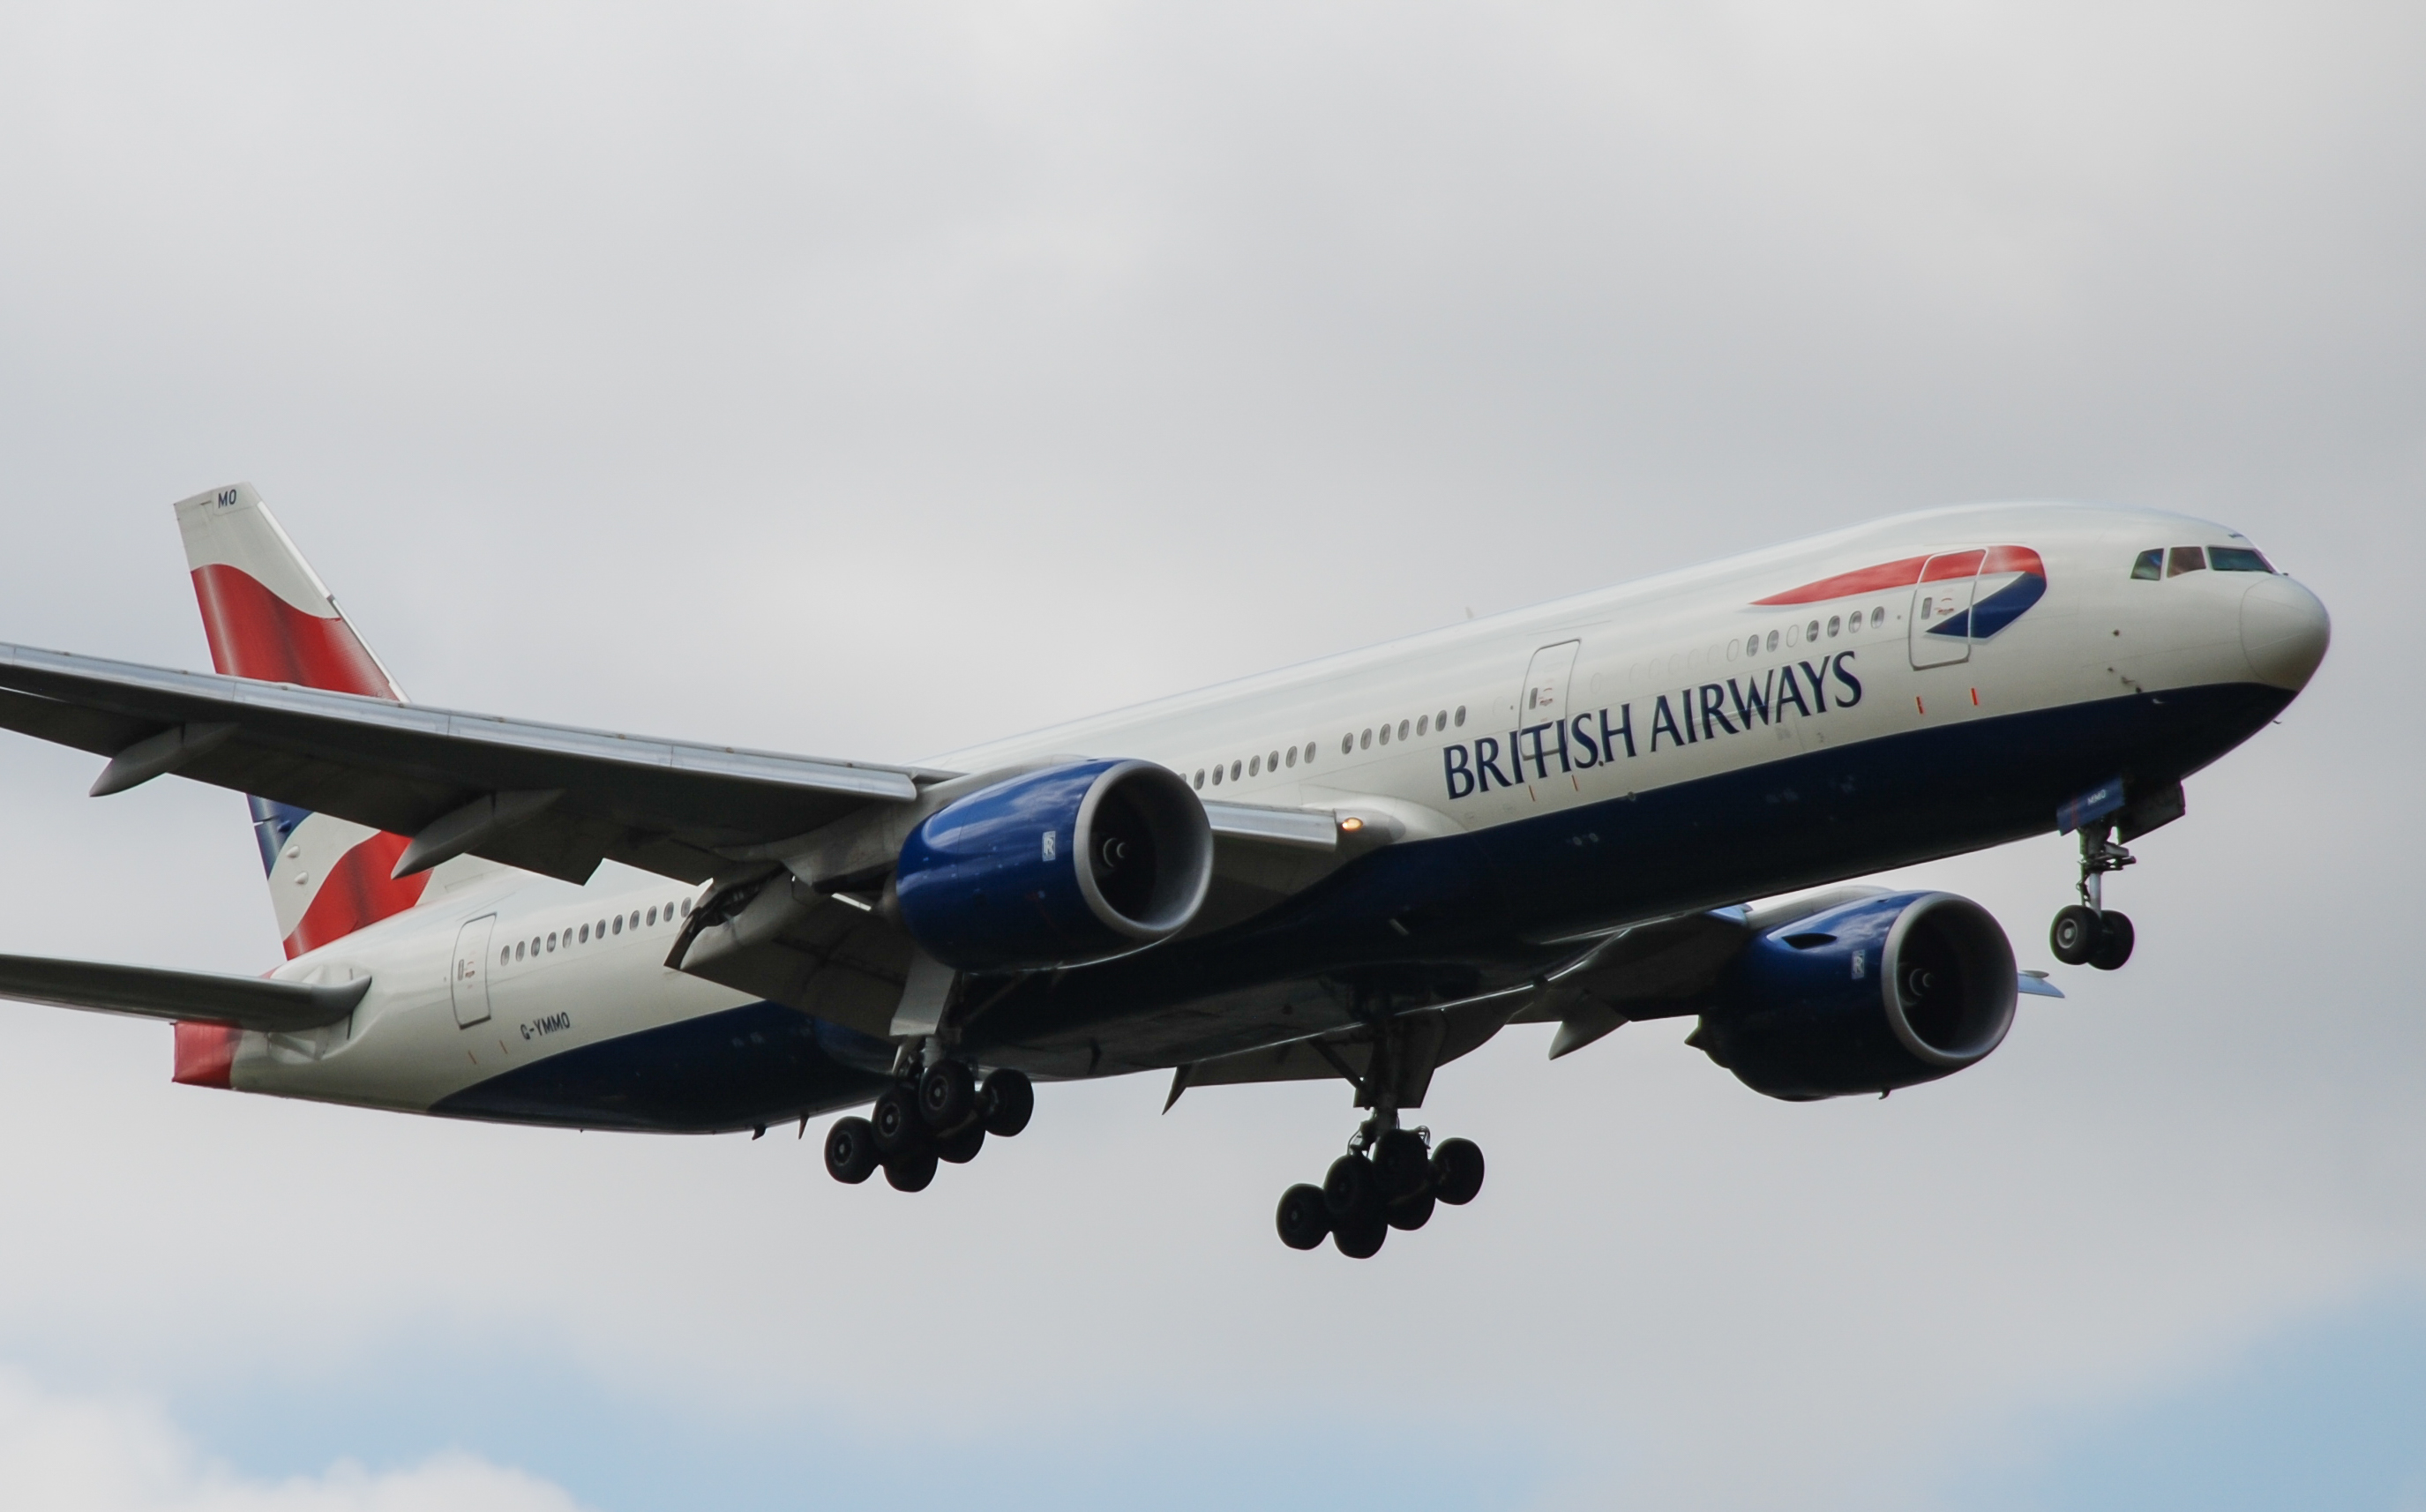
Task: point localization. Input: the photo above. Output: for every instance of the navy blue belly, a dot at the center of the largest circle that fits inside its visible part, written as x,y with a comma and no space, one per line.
1429,921
753,1066
1437,920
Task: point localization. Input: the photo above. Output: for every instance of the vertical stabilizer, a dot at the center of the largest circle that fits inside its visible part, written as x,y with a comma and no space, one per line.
269,617
267,614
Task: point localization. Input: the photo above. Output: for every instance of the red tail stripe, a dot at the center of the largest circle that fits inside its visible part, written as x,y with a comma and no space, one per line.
206,1053
255,634
358,891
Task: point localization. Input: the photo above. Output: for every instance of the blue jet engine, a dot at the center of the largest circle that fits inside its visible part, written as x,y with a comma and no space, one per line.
1867,997
1062,867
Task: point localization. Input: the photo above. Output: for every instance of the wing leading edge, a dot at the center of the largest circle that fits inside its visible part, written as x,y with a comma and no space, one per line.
548,798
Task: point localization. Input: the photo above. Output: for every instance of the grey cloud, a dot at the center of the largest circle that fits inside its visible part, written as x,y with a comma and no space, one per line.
868,381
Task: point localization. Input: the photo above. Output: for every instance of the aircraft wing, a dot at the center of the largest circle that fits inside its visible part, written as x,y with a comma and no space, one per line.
1655,970
548,798
152,993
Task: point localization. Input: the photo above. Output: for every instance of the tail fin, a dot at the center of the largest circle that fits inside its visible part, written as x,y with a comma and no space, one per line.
268,617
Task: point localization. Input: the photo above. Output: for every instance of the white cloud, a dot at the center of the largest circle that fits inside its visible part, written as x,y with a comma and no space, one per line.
62,1453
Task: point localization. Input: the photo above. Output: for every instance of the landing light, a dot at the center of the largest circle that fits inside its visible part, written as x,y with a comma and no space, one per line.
1351,824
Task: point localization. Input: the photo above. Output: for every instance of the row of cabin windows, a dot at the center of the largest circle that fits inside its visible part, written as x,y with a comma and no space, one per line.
1850,624
541,944
1753,645
1350,741
2162,562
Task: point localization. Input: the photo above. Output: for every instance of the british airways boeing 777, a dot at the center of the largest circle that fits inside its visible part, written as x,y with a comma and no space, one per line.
1357,869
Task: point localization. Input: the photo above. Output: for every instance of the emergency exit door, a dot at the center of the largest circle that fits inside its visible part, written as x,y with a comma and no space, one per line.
468,978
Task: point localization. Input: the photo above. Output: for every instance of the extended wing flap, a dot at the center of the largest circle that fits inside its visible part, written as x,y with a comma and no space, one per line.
154,992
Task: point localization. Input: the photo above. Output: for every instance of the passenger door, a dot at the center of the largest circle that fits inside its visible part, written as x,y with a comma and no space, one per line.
1544,699
1941,609
468,978
1549,681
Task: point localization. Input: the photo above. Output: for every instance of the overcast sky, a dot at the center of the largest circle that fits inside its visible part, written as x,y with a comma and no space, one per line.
868,381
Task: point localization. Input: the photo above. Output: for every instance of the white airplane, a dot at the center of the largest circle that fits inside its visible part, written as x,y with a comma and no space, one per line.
1359,868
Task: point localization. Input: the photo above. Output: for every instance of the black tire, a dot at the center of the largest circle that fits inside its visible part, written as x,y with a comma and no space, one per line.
897,1123
1351,1193
1304,1218
2073,935
911,1169
962,1144
2115,938
1401,1163
1007,1100
1457,1171
948,1094
850,1150
1362,1239
1410,1213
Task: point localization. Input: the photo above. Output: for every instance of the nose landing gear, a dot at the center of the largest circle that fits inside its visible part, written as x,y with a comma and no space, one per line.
2088,933
943,1114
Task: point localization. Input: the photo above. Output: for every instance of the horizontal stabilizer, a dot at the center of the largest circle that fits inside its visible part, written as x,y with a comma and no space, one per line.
194,997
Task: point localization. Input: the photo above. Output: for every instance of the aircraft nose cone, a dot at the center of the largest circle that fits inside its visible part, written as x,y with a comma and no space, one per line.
2284,631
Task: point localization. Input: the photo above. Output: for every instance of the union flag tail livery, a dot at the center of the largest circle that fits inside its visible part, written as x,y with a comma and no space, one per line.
269,617
1353,870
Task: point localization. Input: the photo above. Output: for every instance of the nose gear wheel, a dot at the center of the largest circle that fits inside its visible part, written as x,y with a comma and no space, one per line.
2088,933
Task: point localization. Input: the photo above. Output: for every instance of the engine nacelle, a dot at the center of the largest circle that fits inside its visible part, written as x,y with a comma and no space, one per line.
1063,867
1870,996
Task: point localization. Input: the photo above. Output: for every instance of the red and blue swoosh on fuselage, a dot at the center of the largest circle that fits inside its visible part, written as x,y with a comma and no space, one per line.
2010,579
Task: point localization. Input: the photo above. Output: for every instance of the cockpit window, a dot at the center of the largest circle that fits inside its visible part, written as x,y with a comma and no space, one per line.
2237,560
2185,560
2150,567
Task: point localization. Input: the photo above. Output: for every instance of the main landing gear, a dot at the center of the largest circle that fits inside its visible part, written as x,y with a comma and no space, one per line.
1390,1179
942,1114
2088,933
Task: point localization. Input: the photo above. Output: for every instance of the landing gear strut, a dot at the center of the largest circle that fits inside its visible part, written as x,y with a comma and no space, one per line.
1391,1177
942,1114
2088,933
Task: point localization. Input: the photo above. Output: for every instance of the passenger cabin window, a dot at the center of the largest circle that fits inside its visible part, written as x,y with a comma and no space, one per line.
2237,560
2149,566
2185,560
